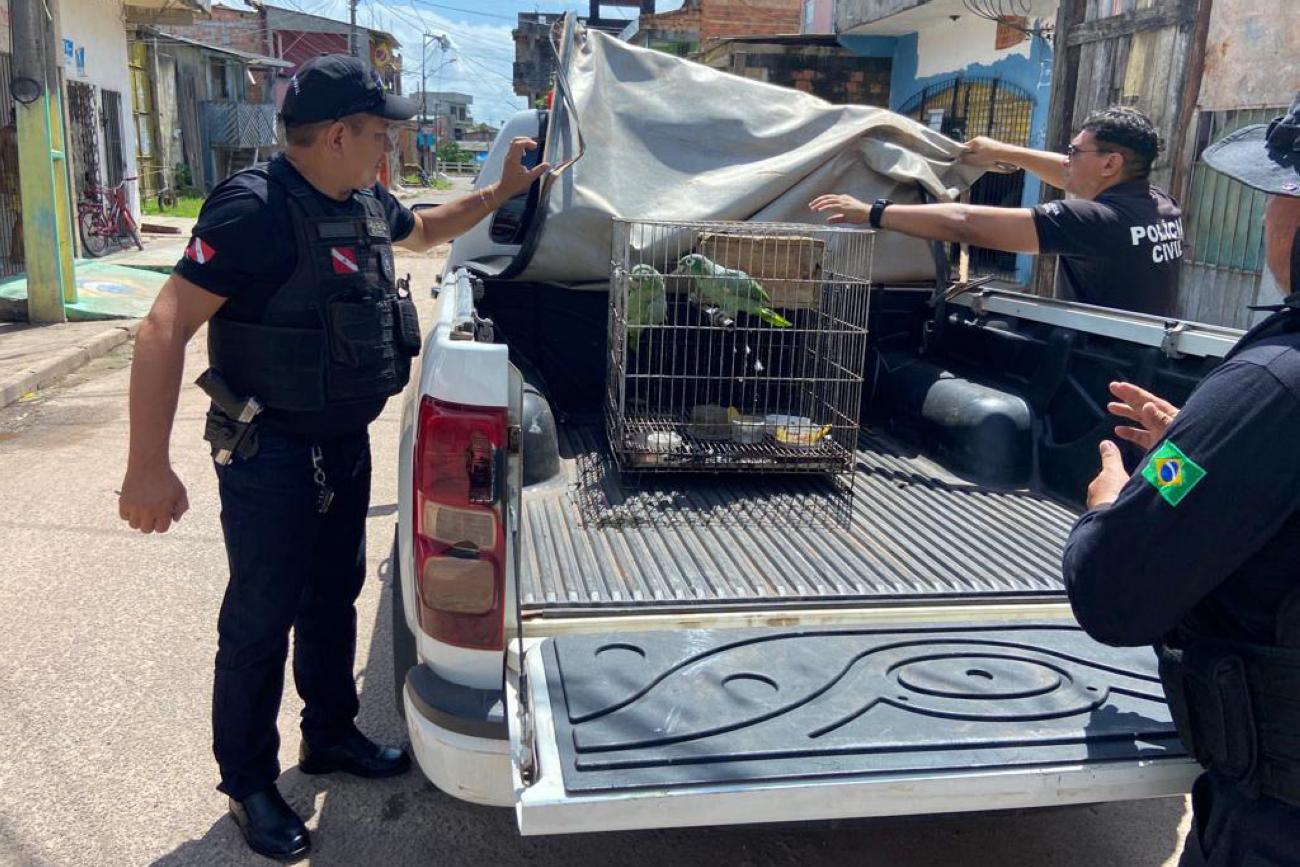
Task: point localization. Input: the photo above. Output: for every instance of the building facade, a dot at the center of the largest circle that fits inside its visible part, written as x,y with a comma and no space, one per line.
212,109
103,145
812,63
699,25
965,76
534,67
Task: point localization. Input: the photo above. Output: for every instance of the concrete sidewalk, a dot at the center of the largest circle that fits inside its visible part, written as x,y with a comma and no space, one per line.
112,296
122,284
35,356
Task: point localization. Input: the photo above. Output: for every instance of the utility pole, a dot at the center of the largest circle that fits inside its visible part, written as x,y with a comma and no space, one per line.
443,43
352,27
43,174
424,96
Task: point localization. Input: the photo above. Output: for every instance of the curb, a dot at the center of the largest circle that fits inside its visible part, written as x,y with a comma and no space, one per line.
66,361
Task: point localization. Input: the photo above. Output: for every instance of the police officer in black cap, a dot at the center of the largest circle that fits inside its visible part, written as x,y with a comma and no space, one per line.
293,266
1199,551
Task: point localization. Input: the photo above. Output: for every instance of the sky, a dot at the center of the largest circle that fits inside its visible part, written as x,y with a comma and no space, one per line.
480,61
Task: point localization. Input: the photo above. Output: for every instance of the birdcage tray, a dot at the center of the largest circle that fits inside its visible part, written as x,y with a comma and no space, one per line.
685,450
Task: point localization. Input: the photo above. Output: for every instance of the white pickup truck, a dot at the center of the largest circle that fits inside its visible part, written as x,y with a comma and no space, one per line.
690,656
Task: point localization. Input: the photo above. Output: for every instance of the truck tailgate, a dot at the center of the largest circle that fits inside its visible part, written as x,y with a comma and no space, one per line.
598,540
702,727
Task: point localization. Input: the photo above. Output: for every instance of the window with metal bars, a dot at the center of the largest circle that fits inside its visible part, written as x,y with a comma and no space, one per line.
962,108
114,150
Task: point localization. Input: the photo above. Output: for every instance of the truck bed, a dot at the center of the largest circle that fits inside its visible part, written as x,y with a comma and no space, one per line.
596,540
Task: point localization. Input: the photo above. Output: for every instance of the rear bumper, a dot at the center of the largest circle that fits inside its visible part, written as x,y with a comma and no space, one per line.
459,738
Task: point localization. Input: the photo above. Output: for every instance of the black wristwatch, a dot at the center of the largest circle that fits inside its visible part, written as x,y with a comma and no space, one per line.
878,211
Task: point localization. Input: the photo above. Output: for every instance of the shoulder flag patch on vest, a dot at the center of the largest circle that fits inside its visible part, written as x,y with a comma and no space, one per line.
1172,473
199,250
344,260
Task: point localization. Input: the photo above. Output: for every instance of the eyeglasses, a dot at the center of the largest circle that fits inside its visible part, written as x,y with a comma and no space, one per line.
1071,151
387,138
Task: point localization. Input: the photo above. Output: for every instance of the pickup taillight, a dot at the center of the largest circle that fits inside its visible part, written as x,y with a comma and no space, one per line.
460,560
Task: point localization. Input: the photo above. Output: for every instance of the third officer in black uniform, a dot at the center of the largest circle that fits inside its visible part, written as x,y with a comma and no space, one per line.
1199,552
293,266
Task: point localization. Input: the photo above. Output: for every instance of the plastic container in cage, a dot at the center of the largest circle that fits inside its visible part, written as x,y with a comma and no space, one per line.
737,346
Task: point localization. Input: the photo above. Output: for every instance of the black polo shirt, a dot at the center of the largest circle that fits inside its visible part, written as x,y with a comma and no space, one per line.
243,248
1207,531
1123,249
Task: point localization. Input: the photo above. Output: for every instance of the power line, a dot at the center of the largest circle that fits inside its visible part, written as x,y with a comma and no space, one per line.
489,70
466,11
459,35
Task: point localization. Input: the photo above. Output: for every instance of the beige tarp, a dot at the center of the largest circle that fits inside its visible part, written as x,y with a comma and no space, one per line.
668,139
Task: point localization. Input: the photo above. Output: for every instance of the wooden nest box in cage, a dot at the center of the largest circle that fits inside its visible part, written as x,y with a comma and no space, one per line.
790,264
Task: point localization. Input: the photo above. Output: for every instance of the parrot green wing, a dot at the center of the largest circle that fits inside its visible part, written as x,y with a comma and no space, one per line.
647,302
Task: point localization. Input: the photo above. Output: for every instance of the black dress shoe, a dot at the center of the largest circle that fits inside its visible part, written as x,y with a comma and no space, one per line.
270,826
356,755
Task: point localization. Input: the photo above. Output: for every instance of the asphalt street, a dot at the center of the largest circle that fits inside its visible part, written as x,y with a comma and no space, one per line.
107,639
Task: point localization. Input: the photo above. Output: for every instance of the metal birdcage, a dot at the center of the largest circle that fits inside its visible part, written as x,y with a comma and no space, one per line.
737,346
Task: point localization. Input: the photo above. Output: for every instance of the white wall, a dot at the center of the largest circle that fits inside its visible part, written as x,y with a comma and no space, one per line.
949,46
97,25
4,26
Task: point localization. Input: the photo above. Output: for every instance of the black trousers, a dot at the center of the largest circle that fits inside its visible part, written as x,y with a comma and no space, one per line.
1232,830
290,568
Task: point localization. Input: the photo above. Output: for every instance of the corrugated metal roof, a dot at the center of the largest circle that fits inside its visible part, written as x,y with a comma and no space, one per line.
247,57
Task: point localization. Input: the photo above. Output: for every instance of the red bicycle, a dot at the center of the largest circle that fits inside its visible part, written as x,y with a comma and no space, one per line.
105,219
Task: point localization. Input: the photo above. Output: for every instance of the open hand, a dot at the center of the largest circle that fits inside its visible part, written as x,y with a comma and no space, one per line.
846,209
1135,403
152,499
1111,480
514,177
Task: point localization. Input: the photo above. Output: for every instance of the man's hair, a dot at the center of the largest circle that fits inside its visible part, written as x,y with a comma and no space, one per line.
1130,133
304,135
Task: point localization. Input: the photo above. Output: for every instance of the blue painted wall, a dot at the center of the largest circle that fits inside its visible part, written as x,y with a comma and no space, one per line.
1033,73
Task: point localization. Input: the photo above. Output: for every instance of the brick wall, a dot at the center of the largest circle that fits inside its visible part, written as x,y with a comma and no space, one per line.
298,47
228,28
703,23
723,18
826,70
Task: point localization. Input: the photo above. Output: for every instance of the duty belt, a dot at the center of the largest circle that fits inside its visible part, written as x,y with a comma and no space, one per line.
1237,709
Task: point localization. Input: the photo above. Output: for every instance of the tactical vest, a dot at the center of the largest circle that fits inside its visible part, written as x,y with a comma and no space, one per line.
1237,705
336,331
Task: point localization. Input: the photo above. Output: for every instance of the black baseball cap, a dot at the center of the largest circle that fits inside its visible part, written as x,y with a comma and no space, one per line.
1263,156
331,86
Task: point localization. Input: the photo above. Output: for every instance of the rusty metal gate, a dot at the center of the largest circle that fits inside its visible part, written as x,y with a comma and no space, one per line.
83,137
962,108
11,212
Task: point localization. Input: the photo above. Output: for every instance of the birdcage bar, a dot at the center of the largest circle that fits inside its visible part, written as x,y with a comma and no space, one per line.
736,346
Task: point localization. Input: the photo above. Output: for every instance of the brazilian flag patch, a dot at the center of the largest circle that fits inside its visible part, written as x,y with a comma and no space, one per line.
1172,473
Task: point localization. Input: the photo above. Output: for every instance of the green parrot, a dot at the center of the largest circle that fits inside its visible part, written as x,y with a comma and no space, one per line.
647,302
729,290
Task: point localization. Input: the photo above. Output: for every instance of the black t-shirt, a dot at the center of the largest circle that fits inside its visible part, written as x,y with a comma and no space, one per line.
243,248
1207,531
1123,249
